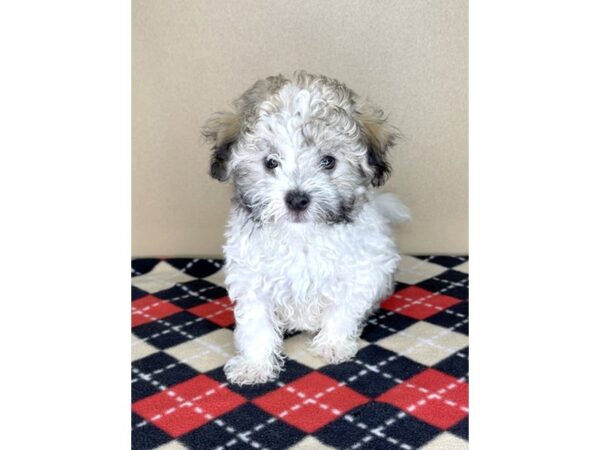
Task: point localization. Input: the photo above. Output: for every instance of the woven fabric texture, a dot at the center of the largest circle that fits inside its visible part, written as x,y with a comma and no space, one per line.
406,388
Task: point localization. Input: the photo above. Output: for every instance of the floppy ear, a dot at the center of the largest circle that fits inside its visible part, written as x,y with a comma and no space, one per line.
379,137
222,131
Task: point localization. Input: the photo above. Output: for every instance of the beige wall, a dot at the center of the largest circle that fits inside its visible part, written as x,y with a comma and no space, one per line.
191,58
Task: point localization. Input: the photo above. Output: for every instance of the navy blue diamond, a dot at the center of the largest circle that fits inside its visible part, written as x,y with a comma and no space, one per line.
190,294
146,436
388,325
142,388
137,293
175,329
454,277
164,369
368,375
197,268
346,431
446,261
455,317
398,286
243,420
212,436
456,364
397,366
341,433
461,429
359,378
460,292
140,266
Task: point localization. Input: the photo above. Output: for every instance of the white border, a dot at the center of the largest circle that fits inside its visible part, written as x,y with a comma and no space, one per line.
534,146
65,115
65,103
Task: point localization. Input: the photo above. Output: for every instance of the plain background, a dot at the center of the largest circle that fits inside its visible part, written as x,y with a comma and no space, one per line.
192,58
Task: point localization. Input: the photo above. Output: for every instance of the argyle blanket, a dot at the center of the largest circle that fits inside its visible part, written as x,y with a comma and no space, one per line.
406,388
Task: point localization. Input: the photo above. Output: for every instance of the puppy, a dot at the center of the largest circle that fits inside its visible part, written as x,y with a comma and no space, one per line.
308,243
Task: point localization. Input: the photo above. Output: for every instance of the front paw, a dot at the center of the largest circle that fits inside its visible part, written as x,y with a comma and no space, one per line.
334,351
240,370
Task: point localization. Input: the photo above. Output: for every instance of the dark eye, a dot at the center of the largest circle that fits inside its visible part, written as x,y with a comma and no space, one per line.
271,163
327,162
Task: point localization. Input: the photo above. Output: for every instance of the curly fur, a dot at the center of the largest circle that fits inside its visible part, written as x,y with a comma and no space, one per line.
323,269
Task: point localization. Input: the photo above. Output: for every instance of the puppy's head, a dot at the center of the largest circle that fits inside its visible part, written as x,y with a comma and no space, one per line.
304,149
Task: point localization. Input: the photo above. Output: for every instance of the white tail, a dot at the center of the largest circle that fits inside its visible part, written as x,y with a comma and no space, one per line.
390,207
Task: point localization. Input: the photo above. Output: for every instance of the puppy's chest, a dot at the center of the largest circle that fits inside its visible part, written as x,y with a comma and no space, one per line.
300,283
300,265
297,261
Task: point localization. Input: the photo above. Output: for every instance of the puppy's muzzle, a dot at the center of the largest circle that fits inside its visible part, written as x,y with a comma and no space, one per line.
297,201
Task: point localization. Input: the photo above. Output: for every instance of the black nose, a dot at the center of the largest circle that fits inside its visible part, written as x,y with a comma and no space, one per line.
297,200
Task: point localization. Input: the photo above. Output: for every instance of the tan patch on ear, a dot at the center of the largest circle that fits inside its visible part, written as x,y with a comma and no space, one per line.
379,137
222,128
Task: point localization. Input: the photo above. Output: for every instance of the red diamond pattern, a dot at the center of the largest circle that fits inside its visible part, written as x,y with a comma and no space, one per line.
150,308
432,396
181,396
187,405
418,303
310,402
218,311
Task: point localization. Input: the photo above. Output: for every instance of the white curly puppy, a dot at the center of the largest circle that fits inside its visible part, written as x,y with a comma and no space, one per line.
308,243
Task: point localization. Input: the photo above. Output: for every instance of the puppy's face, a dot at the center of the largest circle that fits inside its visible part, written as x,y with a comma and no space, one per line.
301,150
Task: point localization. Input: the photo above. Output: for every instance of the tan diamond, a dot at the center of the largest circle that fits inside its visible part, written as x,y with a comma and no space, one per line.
297,348
425,343
414,270
173,445
446,441
217,278
205,352
309,443
163,276
140,349
464,267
